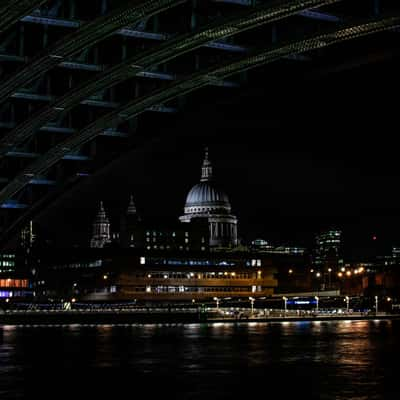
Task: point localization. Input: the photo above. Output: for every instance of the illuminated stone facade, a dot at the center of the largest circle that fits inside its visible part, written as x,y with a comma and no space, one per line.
206,201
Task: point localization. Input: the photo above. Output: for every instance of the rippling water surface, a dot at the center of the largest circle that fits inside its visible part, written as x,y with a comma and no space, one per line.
313,360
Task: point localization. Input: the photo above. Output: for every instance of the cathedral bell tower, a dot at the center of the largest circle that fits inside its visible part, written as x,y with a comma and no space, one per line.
130,227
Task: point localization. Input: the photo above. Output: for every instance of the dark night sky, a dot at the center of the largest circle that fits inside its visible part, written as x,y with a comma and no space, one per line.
294,157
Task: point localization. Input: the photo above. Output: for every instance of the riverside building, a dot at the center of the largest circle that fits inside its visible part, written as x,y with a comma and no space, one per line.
194,259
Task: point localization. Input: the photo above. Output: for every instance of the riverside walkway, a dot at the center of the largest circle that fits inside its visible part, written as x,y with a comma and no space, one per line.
175,315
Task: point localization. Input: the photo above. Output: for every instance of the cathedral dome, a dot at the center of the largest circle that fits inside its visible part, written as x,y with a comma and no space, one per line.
206,196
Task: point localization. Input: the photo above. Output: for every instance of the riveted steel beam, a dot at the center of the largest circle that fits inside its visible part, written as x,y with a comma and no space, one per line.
166,51
89,34
321,16
66,23
12,204
12,11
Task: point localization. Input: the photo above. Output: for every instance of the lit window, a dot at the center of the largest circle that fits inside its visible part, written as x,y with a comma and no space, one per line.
142,260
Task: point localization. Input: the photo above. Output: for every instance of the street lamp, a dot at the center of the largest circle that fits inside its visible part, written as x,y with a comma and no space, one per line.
217,301
376,304
317,299
329,278
347,300
389,299
285,300
252,299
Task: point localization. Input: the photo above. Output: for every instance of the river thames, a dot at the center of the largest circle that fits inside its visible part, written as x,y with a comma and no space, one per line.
314,360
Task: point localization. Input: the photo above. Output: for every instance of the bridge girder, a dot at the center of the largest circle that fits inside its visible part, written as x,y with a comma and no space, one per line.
167,51
12,11
89,34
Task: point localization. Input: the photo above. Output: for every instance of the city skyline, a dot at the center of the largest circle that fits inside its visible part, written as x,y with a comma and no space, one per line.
116,208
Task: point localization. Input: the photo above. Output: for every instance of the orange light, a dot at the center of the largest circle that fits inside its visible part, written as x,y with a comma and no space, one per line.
340,274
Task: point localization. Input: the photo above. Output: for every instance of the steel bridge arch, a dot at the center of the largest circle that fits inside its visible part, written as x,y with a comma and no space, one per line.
12,11
89,34
192,83
171,49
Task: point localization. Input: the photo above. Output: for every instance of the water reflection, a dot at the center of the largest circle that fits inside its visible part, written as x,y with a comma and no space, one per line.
325,360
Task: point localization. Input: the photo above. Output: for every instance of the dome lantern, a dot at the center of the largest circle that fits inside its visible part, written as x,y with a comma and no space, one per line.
206,169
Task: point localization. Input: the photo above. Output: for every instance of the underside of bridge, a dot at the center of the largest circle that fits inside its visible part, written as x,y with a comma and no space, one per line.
82,81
